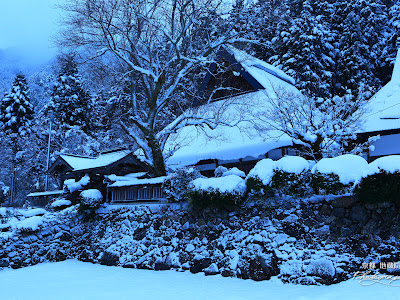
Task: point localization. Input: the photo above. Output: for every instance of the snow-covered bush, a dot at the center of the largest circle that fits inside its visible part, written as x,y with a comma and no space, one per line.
90,200
381,182
258,181
176,184
292,176
4,190
339,174
220,192
322,267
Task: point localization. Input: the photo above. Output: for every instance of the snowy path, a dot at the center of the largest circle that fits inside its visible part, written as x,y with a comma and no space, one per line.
74,280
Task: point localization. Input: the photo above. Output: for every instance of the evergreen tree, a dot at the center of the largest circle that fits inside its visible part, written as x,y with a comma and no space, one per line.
16,111
70,102
303,48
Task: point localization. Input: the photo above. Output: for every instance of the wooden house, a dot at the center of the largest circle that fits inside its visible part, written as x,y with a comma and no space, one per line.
382,118
71,169
239,95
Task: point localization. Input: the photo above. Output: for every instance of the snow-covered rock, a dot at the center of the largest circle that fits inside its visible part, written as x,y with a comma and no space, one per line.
3,211
60,202
30,224
235,171
34,212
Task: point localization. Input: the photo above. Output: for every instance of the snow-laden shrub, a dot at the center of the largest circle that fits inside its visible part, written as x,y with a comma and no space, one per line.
258,181
73,186
292,176
322,267
176,184
339,174
90,200
381,183
219,192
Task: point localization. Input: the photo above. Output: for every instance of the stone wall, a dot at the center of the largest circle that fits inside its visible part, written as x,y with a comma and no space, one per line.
314,241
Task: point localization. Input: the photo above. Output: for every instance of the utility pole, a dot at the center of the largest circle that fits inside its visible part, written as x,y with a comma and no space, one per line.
46,183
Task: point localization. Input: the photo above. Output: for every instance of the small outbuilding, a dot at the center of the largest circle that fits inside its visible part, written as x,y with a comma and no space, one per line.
135,188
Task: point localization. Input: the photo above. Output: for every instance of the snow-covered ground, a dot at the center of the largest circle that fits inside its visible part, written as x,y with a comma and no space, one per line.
74,280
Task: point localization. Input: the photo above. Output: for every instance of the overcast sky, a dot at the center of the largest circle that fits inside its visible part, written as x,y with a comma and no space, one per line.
27,26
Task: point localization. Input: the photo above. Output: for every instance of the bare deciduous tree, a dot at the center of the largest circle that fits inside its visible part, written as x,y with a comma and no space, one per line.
321,130
160,42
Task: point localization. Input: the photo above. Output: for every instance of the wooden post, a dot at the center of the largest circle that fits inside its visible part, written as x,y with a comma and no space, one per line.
12,186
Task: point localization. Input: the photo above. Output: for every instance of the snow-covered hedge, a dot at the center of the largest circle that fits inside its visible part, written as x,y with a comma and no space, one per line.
292,176
176,184
381,181
339,174
90,199
258,181
221,192
288,176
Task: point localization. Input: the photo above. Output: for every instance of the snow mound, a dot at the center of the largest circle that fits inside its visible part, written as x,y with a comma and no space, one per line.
60,202
350,168
292,164
30,224
225,184
34,212
390,164
263,170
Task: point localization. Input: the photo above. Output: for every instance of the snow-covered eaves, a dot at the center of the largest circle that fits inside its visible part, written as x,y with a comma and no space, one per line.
47,193
127,177
382,112
136,181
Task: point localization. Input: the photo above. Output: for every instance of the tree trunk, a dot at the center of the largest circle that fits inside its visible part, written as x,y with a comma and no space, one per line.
158,167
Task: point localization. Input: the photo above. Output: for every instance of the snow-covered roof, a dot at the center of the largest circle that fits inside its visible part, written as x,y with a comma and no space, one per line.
260,70
249,138
137,181
47,193
78,163
383,109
